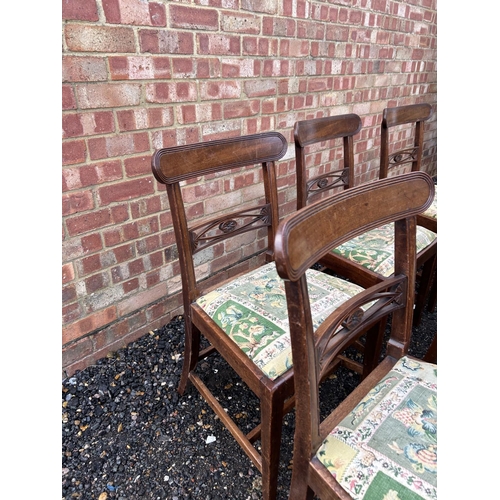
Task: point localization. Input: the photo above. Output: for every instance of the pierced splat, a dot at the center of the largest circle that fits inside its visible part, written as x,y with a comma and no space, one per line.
321,183
219,229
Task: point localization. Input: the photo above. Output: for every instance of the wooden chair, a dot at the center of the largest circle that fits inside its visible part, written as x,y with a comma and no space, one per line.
370,257
243,316
380,442
318,143
395,159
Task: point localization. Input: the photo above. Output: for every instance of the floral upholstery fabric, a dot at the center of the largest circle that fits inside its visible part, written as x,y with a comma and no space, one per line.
252,310
386,448
432,211
375,249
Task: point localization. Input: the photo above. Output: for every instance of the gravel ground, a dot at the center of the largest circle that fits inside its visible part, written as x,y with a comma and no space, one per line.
127,434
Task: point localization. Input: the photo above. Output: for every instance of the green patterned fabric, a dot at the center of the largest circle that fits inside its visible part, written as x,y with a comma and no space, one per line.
252,310
432,211
386,448
375,249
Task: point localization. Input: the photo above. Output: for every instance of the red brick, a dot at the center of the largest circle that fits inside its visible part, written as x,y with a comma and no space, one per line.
193,18
84,124
171,92
215,44
139,67
125,190
70,313
208,68
80,328
135,12
278,27
118,145
108,95
145,207
68,273
130,285
80,10
95,283
239,109
88,222
166,42
222,89
68,98
123,253
77,202
138,165
91,243
84,69
99,173
73,152
138,119
90,38
234,68
148,245
90,264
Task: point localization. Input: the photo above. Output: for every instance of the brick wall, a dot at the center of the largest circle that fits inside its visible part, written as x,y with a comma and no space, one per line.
140,75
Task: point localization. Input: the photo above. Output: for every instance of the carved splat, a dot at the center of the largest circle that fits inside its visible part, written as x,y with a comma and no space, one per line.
235,223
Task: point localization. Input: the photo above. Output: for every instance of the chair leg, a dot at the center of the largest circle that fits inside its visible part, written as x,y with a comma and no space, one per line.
431,305
191,352
270,439
423,289
373,347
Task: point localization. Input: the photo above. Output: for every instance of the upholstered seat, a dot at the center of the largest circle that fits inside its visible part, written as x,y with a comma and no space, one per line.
375,249
432,211
386,448
252,311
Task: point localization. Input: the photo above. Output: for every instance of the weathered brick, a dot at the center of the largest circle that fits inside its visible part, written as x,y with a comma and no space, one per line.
144,207
241,23
198,113
238,109
264,6
215,44
95,283
240,68
68,273
222,89
89,38
77,202
84,124
84,69
80,224
90,175
108,95
70,312
125,190
135,12
118,145
80,10
73,152
139,67
171,92
80,328
193,18
68,98
166,42
142,118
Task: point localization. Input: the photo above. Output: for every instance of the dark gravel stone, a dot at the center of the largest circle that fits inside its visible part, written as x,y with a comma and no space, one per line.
128,435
